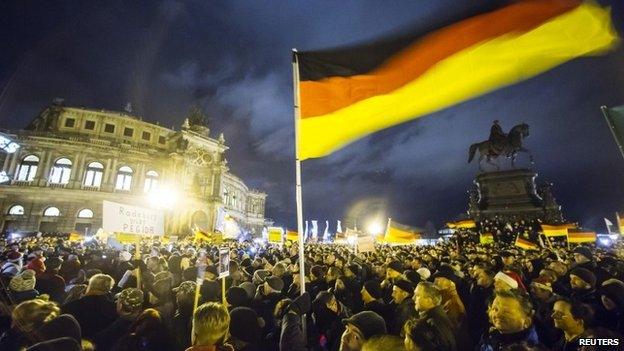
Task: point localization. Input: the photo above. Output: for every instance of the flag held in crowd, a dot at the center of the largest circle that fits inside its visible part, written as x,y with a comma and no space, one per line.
615,120
348,93
557,229
577,236
611,229
525,244
397,233
463,224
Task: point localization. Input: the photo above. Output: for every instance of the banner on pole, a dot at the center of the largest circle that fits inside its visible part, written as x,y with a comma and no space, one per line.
224,263
366,243
122,218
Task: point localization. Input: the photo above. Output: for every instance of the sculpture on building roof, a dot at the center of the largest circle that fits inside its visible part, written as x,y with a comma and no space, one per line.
197,117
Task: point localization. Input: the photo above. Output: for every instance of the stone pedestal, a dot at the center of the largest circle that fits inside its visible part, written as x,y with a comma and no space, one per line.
512,193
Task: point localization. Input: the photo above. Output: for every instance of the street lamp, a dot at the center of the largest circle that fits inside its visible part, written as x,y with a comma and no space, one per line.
163,197
375,228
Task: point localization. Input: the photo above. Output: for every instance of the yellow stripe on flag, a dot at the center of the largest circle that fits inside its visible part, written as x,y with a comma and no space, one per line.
464,224
557,230
525,244
292,235
486,238
577,237
502,61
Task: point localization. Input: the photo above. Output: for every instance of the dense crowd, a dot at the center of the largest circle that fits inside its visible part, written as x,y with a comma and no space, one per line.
62,295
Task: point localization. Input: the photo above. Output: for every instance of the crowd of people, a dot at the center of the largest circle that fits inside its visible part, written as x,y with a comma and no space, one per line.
62,295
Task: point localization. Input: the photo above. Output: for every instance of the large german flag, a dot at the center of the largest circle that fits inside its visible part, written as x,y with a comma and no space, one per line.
398,233
557,229
346,94
577,236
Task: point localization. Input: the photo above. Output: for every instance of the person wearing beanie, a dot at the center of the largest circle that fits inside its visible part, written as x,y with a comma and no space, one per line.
328,313
612,298
236,297
291,331
584,258
372,298
480,292
317,280
412,276
185,296
13,264
129,304
266,298
37,264
245,329
506,281
50,282
402,307
70,267
543,298
393,273
22,286
359,328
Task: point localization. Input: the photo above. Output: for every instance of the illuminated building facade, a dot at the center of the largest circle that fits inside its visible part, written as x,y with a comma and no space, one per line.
72,159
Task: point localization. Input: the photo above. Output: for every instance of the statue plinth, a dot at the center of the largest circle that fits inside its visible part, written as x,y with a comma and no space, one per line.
512,193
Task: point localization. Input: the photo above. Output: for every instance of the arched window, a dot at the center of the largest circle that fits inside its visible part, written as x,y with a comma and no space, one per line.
93,177
151,181
28,168
85,213
51,212
61,171
124,178
16,210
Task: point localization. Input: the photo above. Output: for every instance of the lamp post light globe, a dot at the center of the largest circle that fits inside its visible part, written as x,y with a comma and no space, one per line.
374,228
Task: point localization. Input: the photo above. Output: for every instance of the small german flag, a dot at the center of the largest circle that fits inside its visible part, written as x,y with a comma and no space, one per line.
577,236
463,224
557,229
525,244
348,93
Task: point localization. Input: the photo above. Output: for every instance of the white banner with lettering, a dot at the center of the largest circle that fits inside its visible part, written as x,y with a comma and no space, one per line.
123,218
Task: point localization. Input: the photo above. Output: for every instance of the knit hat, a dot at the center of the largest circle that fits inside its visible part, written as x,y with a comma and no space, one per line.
412,276
130,298
318,271
23,281
585,251
542,283
585,275
244,325
236,296
64,325
250,289
614,290
302,304
373,288
275,283
14,256
187,287
509,280
260,276
53,263
405,285
396,266
354,268
424,273
368,322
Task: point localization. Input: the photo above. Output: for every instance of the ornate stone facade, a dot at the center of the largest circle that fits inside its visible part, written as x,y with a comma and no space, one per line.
71,159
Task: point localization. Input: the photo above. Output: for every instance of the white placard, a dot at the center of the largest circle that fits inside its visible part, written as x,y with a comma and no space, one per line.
122,218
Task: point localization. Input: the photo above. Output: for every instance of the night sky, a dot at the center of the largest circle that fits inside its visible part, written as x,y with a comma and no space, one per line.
232,58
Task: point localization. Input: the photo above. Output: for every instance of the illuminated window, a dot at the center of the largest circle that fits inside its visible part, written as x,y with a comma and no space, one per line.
61,171
124,178
85,213
28,168
151,181
52,212
93,177
16,210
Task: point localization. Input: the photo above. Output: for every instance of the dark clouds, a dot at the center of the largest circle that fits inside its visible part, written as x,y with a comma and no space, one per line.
233,59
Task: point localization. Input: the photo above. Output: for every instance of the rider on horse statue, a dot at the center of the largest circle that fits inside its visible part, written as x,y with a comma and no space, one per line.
497,137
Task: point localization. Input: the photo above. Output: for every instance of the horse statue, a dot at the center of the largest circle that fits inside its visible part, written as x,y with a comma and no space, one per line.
507,145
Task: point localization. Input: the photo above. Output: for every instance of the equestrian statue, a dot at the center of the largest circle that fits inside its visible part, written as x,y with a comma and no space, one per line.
501,144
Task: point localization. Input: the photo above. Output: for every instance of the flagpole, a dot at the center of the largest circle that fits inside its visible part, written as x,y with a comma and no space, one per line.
617,217
297,116
605,113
